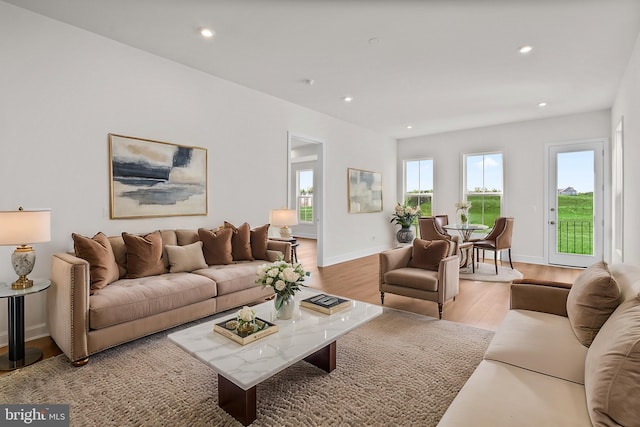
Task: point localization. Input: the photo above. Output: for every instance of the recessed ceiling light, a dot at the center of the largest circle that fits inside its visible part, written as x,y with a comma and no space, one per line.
409,126
373,41
542,104
206,33
309,82
347,99
525,49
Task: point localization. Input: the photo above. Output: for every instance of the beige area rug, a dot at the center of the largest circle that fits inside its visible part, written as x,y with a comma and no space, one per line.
487,273
399,369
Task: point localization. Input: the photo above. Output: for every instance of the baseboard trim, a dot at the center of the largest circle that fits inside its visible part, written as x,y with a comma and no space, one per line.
355,255
30,333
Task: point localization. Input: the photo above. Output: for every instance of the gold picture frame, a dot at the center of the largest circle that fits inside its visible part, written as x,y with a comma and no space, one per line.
364,189
156,179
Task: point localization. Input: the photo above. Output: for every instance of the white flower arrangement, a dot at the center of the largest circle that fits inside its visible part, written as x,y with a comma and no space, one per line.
245,315
285,279
463,205
405,215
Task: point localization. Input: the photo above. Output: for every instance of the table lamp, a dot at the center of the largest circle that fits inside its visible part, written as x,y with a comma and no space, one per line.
283,218
23,228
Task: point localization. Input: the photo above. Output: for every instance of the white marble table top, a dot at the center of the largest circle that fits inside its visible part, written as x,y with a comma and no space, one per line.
246,366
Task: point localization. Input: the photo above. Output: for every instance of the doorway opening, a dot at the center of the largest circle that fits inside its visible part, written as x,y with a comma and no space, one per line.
305,189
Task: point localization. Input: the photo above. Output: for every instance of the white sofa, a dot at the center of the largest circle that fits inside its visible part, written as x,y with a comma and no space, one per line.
537,373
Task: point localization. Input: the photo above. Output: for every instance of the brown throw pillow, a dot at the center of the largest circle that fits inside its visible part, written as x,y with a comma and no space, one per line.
99,254
612,369
216,246
144,255
427,254
259,237
593,297
240,242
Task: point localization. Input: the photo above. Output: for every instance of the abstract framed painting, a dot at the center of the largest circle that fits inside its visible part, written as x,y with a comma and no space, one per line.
155,179
364,191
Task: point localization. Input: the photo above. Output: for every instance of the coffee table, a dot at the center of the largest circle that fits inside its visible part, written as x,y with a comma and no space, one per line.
309,335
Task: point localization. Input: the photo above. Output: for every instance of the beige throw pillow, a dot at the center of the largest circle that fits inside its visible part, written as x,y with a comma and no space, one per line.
612,369
593,297
98,253
144,255
427,254
216,246
185,258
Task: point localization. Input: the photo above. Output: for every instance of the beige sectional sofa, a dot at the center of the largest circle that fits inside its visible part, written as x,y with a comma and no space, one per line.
537,372
84,318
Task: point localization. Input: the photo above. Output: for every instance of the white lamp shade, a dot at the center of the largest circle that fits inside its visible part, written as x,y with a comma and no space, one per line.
282,217
25,227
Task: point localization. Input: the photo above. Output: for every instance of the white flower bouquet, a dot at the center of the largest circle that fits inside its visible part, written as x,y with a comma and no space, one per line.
285,279
405,215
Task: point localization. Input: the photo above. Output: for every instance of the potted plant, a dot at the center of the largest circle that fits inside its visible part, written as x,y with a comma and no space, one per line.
406,216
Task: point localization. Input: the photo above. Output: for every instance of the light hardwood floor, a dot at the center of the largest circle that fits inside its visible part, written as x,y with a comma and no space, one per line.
480,304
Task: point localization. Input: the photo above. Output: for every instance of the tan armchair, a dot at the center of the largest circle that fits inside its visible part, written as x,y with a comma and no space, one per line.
438,285
497,240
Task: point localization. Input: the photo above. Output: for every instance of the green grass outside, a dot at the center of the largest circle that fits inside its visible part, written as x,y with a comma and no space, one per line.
575,224
305,214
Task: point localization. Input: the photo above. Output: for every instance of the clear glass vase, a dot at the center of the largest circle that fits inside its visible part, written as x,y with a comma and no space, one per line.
284,307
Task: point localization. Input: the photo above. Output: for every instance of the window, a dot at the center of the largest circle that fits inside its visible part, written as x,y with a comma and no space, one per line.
418,184
483,187
304,192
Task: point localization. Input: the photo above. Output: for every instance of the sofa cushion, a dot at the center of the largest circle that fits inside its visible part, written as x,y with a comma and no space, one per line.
427,254
501,395
144,255
417,278
185,258
131,299
216,245
592,298
187,237
540,342
234,277
258,238
612,372
98,253
240,242
120,253
168,238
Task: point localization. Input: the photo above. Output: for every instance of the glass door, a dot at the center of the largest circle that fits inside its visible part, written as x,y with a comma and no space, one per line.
575,216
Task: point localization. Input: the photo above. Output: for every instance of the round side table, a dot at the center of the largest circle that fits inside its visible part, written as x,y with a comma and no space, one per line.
18,356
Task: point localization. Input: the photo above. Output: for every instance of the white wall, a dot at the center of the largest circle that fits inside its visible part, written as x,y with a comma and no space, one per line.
523,148
64,89
627,105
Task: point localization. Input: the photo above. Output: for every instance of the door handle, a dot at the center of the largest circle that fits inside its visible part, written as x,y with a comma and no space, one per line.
552,222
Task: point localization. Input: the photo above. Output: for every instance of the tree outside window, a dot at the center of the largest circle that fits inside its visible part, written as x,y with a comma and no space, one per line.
484,187
418,184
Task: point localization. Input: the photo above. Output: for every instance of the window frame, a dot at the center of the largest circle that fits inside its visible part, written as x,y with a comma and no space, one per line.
405,191
299,196
501,194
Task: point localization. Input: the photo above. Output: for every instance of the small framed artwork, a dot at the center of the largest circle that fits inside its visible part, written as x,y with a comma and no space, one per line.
153,178
364,191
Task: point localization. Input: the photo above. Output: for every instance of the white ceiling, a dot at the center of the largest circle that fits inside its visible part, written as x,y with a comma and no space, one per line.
438,65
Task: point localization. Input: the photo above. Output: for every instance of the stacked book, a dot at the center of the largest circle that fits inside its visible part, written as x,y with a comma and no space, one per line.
327,304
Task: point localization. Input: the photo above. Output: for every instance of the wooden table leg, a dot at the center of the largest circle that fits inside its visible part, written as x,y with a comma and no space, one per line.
239,403
325,358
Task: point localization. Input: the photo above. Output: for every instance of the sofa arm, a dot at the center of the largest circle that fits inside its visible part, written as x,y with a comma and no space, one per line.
68,305
543,296
276,247
394,259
